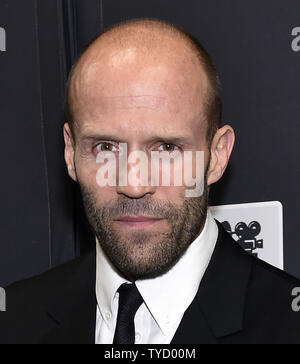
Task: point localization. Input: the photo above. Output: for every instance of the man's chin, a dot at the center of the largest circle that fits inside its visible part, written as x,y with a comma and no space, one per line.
138,255
140,270
144,241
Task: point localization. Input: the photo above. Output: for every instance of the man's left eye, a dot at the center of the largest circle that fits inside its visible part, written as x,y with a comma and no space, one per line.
167,147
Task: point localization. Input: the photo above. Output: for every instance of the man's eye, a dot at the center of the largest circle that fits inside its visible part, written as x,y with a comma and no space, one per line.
167,147
106,147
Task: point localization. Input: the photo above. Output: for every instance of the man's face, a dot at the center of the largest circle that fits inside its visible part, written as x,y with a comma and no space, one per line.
151,105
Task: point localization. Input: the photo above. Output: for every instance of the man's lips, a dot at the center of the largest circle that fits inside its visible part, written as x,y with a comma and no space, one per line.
137,218
138,221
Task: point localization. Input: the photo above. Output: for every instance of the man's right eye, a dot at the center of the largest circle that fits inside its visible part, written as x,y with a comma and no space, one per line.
105,147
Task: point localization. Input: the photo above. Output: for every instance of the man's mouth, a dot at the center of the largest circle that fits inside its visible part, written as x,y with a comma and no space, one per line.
138,221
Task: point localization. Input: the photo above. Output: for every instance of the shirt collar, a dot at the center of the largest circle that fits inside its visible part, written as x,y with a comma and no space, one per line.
108,281
167,297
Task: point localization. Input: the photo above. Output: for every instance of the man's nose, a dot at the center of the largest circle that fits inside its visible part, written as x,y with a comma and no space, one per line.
135,191
137,185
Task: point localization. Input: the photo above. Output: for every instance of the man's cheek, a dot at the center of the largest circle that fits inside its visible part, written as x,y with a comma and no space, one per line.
106,174
86,172
174,194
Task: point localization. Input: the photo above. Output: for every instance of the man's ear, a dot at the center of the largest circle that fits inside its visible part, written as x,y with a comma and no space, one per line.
221,149
69,152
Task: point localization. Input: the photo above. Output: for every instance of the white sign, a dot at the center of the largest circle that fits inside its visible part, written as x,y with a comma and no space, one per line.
257,227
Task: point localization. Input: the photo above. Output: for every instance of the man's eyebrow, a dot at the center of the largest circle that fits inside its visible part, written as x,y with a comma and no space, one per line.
173,139
181,139
98,136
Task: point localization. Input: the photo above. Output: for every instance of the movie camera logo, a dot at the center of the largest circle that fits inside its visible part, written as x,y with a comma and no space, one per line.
296,40
2,300
2,40
247,236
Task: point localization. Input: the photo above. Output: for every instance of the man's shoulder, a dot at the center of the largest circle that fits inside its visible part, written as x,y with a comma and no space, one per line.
265,276
31,304
272,285
37,290
270,305
249,295
271,273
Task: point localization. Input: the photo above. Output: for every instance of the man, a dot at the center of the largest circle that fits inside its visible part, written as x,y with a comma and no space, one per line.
163,271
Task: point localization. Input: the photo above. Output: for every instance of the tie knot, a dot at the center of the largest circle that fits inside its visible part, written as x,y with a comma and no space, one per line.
130,299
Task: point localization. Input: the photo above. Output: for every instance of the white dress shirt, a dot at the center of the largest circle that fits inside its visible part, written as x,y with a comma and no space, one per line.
166,298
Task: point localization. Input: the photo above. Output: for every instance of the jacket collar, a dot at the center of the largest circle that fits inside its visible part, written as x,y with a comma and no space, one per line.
73,312
218,308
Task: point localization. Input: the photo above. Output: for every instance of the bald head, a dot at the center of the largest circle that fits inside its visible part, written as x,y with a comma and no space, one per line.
144,63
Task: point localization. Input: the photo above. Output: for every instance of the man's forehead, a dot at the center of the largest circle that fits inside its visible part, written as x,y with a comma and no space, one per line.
151,102
152,90
121,70
127,129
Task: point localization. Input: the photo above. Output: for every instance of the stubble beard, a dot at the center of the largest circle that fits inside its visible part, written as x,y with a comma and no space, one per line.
146,253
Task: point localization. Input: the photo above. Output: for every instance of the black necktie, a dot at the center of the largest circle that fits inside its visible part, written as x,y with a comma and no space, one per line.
129,302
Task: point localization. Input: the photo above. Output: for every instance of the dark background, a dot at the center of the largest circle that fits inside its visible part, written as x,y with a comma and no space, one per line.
41,219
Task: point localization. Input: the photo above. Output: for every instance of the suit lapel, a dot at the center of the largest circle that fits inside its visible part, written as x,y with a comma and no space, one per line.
217,310
73,312
194,329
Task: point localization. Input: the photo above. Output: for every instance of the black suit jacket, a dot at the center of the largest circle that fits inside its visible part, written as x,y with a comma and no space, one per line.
240,300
